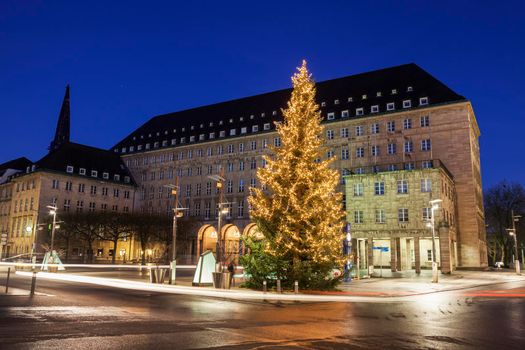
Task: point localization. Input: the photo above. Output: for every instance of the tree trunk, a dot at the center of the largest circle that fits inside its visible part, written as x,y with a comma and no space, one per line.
90,252
114,251
143,249
67,250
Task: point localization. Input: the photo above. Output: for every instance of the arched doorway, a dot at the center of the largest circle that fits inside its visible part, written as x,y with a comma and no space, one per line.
207,239
231,236
253,232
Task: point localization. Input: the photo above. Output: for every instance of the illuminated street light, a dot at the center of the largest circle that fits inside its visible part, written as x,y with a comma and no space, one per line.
434,206
513,232
53,211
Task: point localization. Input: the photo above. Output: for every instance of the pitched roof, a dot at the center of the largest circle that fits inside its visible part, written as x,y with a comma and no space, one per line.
85,157
409,82
20,164
63,124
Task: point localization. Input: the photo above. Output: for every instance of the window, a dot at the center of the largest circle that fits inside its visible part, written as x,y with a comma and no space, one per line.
211,136
380,216
391,126
266,126
69,185
345,114
423,101
232,132
359,152
427,214
379,188
241,165
358,217
344,132
358,190
331,116
391,148
222,133
241,185
188,190
409,166
240,209
427,164
116,192
429,254
359,171
409,147
207,207
255,128
374,128
390,106
105,176
93,190
253,163
330,134
402,215
375,150
359,131
426,145
230,149
344,153
359,111
81,188
407,123
425,121
69,169
402,187
241,147
126,194
190,154
277,142
208,188
392,167
116,177
330,154
426,185
67,204
374,109
94,173
55,184
407,104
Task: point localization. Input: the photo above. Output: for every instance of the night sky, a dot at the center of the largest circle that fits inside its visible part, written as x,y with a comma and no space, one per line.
128,61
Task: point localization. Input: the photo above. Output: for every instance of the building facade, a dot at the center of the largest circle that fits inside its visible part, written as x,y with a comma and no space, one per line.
393,119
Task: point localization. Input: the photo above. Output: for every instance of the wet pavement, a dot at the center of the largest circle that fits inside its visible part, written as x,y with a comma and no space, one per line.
74,316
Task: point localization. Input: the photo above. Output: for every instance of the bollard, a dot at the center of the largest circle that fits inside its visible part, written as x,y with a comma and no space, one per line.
265,289
7,281
296,287
279,290
33,284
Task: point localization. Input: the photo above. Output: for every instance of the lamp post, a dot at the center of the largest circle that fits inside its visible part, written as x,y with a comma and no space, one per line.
177,213
434,206
219,179
53,211
515,219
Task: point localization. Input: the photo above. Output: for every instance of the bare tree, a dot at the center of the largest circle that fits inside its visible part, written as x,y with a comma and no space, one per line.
114,227
144,228
85,226
500,201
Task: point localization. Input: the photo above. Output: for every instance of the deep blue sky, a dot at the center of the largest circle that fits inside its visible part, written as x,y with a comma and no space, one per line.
129,61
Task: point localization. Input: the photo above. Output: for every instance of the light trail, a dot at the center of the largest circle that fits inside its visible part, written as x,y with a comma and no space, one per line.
104,266
207,292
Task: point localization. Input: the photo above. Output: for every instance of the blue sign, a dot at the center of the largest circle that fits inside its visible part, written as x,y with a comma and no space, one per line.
383,249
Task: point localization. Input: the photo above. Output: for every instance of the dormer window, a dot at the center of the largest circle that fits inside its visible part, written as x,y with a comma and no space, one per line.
220,122
231,120
134,138
131,148
359,111
123,150
126,179
423,101
94,173
173,142
212,135
211,124
252,116
156,144
350,99
409,89
222,133
255,128
116,177
394,91
183,140
323,104
407,104
263,114
233,132
374,109
147,145
266,126
274,112
331,116
82,171
105,176
390,106
158,133
378,94
336,102
201,126
241,119
363,97
201,137
69,169
183,129
243,130
165,132
192,127
164,143
345,114
192,138
141,136
139,148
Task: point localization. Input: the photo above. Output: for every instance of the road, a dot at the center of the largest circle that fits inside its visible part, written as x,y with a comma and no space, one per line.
70,316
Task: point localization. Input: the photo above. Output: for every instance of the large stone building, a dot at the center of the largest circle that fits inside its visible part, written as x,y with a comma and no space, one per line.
71,177
385,120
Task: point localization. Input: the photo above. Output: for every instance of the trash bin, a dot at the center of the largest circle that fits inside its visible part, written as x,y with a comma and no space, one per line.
221,280
157,275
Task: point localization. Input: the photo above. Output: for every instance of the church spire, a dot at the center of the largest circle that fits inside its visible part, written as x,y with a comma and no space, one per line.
62,130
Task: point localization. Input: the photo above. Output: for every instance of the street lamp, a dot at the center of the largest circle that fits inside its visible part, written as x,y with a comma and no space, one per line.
53,211
219,179
513,232
177,213
434,205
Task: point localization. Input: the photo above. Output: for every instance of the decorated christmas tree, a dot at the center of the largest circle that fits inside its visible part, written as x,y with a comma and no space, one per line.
297,208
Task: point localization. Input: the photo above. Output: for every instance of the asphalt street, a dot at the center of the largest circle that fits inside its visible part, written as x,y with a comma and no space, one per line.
66,315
